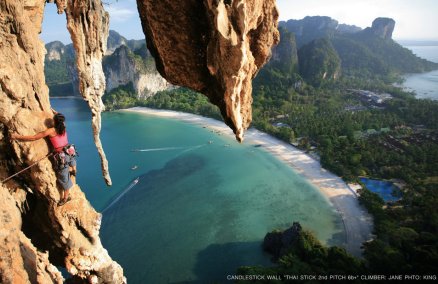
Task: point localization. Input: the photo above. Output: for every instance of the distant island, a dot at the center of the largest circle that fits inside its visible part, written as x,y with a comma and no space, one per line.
329,90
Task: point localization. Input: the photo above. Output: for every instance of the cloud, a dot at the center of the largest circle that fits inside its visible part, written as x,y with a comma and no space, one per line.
118,14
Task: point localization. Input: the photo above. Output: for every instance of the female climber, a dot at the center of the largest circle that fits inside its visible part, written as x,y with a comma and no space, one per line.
65,163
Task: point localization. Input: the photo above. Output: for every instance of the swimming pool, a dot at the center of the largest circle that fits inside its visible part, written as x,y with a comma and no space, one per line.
385,189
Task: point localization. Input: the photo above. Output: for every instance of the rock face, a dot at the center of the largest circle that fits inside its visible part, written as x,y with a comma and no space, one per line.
88,23
316,27
214,47
285,54
319,61
114,41
125,62
60,69
348,29
125,66
383,27
20,261
311,28
278,243
69,233
55,50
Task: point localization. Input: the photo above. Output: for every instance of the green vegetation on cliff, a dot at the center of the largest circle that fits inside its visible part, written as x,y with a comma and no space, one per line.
139,59
319,62
366,56
185,100
179,99
55,72
307,256
56,60
284,56
121,97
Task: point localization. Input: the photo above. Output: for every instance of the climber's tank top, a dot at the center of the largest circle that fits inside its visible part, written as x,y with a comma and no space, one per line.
59,141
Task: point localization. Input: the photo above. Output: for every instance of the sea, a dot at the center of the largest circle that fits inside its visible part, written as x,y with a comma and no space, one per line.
189,205
425,85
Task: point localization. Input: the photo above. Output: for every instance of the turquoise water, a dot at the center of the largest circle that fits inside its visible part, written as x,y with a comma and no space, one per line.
199,210
385,189
425,85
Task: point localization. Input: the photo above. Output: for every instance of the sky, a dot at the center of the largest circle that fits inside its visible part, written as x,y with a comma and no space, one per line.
415,19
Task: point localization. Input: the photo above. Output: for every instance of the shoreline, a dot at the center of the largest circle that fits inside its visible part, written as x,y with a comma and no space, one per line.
358,224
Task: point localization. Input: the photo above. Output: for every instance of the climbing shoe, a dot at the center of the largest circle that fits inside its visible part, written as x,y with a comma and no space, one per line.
64,201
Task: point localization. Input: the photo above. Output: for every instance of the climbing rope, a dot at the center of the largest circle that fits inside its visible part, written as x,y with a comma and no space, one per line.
28,167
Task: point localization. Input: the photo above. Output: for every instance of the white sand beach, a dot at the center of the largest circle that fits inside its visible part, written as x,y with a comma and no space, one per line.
357,222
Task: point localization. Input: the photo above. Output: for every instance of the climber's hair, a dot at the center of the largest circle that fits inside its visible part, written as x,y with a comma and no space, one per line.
59,119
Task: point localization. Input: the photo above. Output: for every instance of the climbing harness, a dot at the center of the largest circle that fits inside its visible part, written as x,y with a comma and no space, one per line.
69,149
28,167
61,157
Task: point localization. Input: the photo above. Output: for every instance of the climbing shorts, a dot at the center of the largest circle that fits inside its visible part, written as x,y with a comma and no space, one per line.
63,172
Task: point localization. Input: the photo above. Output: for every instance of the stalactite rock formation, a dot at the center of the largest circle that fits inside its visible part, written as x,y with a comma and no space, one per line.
215,47
34,230
88,26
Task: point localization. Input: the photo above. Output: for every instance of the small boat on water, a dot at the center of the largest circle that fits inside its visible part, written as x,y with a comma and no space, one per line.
131,185
134,167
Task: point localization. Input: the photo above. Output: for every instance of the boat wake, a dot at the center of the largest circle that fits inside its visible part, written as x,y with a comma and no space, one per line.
131,185
167,148
158,149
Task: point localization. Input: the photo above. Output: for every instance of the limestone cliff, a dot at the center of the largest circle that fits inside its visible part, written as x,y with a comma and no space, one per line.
55,50
316,27
383,27
348,29
20,261
88,24
125,66
285,54
311,28
279,243
114,41
125,62
319,61
60,69
41,231
215,47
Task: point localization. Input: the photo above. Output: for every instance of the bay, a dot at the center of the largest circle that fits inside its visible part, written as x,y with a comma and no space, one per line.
424,85
203,202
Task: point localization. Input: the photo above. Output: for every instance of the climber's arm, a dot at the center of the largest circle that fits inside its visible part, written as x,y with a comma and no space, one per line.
37,136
